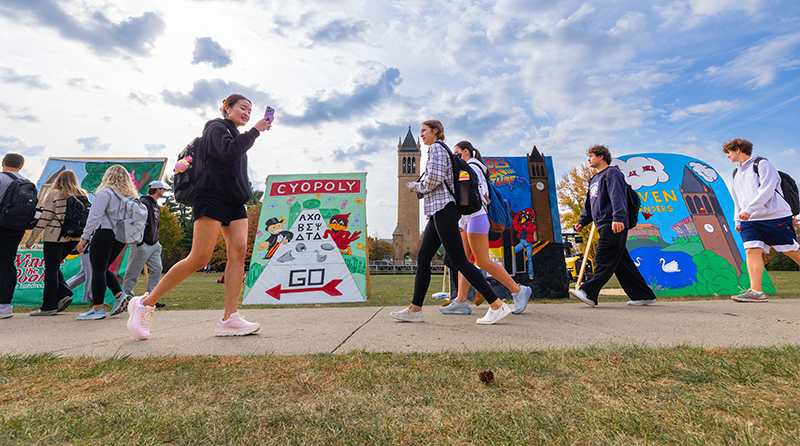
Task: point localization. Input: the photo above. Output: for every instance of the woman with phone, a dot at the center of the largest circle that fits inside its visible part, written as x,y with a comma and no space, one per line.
475,237
100,224
442,229
221,192
57,295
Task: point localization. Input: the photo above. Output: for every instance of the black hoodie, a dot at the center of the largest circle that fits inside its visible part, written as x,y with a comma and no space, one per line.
223,156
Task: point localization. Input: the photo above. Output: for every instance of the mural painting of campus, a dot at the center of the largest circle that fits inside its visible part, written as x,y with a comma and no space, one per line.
685,243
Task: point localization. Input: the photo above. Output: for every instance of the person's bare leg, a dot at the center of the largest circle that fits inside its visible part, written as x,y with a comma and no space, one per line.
794,255
236,243
204,239
481,244
463,283
755,267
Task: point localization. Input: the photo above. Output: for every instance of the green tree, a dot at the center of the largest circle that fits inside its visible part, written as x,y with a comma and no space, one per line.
169,234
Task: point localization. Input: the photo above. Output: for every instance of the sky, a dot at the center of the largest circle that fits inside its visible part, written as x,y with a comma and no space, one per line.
348,78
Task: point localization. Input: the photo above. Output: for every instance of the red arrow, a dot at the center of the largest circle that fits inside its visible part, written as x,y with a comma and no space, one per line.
329,288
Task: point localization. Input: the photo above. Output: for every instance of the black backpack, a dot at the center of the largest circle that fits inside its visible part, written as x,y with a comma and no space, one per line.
184,182
75,215
789,190
634,205
467,193
18,209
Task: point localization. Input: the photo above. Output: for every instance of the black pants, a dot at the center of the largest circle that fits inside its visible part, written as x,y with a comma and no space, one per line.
105,249
612,258
9,242
55,287
442,229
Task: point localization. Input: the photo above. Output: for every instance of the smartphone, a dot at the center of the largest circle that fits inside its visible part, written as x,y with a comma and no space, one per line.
270,113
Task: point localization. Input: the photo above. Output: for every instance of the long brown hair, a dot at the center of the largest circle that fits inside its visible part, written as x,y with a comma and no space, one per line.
66,184
473,152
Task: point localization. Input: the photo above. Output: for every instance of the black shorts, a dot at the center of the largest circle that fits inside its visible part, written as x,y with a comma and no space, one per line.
218,210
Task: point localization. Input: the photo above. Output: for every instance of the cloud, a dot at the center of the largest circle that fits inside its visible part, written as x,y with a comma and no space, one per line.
382,131
6,111
706,172
10,76
758,66
12,144
367,90
211,93
339,30
641,171
208,51
93,144
154,149
694,12
629,24
134,35
703,109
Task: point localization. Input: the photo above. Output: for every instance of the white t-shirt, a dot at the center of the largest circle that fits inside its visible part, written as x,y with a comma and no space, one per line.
483,189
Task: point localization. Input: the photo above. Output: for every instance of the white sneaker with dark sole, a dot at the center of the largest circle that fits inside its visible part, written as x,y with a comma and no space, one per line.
580,294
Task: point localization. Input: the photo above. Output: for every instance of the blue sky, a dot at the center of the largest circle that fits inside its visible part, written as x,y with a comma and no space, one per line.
347,78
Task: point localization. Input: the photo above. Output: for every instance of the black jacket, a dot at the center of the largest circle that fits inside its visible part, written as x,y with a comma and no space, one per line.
223,157
151,227
606,199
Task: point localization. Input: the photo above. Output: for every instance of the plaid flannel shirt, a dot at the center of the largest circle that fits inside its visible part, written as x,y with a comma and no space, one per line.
438,170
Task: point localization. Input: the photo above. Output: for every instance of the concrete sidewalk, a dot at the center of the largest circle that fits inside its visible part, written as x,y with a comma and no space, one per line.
291,331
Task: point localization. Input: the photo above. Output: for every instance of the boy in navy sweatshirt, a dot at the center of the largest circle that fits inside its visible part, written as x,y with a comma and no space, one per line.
607,206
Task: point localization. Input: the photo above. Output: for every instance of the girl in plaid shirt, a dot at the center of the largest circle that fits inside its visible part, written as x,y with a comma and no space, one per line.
442,229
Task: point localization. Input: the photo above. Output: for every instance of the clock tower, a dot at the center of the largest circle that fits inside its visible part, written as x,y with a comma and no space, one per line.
405,238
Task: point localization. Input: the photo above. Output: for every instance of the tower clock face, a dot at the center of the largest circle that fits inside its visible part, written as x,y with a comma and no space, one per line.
540,185
708,227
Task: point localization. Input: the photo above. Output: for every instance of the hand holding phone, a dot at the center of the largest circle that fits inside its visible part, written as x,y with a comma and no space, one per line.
270,113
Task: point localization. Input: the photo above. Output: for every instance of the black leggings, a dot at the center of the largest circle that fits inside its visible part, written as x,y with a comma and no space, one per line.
442,229
102,253
55,287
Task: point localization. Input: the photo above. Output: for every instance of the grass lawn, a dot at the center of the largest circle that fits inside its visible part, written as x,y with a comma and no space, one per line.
621,395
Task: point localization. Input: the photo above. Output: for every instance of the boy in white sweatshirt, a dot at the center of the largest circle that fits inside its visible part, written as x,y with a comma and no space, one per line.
763,217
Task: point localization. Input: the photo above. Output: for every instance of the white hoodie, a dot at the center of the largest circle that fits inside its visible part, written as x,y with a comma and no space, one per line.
758,194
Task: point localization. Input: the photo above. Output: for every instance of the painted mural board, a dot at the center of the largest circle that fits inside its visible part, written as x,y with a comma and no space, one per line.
30,263
531,250
311,241
685,243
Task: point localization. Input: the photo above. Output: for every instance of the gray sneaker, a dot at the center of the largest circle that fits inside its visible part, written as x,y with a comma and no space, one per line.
41,312
407,315
120,304
750,296
63,304
456,307
6,312
521,299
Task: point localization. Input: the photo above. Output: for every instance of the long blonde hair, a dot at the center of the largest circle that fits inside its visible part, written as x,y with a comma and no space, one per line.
118,177
66,184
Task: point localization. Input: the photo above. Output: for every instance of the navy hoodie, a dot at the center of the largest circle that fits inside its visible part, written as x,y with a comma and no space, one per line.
223,155
606,200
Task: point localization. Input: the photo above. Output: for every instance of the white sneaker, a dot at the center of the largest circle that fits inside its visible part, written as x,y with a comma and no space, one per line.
235,326
580,294
494,316
640,303
407,315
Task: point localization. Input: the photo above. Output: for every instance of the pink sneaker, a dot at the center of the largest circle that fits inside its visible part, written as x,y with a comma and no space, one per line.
139,318
235,326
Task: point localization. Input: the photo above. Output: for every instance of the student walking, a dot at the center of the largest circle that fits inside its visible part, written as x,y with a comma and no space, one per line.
57,294
763,217
9,238
442,229
219,201
100,224
146,253
474,230
607,206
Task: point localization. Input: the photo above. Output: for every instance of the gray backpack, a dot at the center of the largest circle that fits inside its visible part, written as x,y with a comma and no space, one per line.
132,218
